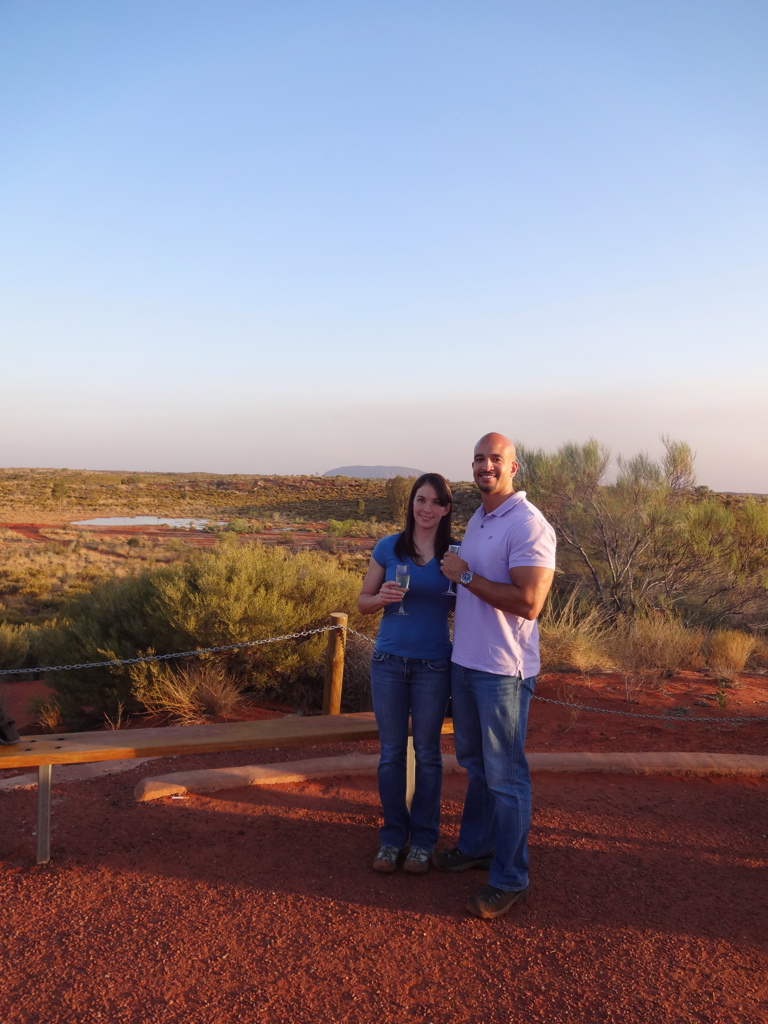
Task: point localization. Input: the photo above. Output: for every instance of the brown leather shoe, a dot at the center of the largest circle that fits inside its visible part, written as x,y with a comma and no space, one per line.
492,902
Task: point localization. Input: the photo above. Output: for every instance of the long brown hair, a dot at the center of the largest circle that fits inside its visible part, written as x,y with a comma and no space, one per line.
404,545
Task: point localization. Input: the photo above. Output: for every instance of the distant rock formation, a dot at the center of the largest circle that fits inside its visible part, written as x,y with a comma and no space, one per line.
379,472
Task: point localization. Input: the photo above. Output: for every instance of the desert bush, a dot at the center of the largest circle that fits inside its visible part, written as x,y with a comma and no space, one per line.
728,651
189,695
573,635
238,526
229,595
357,528
655,643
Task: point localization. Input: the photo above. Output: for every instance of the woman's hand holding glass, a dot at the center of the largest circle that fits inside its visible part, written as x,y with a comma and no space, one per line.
391,593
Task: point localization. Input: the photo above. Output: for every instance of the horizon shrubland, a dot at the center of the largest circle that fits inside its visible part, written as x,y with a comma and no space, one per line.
655,573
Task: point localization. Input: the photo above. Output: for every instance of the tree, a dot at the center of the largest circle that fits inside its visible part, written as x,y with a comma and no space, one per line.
397,491
649,540
59,491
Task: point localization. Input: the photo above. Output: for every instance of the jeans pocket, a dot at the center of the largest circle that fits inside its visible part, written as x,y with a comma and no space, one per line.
379,656
441,665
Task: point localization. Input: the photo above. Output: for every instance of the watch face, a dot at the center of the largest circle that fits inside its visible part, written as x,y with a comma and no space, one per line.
466,578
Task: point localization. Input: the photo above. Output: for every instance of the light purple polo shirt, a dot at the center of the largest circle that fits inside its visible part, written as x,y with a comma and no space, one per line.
485,638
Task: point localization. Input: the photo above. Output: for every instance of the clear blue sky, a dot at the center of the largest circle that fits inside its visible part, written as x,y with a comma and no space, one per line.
283,237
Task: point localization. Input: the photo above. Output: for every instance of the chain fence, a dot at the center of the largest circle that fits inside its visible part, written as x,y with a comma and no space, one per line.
112,663
670,716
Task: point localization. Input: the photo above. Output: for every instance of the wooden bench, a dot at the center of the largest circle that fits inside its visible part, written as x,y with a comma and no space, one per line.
43,752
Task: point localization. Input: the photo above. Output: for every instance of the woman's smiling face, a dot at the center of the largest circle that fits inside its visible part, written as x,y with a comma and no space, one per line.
427,510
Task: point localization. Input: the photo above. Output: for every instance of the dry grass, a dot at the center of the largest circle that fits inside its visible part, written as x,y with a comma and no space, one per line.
48,715
191,695
572,638
728,651
656,643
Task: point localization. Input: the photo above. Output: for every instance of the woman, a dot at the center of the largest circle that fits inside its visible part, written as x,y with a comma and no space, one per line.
410,671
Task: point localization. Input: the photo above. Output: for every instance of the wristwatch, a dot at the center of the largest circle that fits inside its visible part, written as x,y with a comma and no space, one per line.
466,578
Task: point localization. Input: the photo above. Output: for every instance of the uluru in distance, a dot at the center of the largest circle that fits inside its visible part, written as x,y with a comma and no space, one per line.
377,472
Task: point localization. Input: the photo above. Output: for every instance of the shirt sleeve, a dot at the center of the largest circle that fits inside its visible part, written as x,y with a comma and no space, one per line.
382,551
532,544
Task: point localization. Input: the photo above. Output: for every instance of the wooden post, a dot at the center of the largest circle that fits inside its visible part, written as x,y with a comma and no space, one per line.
334,664
44,774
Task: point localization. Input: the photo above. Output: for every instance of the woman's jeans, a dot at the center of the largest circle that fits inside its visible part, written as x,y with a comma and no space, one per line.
403,687
490,716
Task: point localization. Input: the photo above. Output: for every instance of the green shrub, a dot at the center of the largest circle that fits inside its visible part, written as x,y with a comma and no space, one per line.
238,526
14,645
229,595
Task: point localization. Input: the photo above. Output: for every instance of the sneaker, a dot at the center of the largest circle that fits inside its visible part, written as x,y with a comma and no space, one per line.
417,861
455,860
8,735
493,902
386,859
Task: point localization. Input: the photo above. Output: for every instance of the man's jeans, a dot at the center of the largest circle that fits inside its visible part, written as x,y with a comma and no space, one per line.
490,716
401,687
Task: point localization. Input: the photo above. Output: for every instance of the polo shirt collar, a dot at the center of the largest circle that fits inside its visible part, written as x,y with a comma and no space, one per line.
505,506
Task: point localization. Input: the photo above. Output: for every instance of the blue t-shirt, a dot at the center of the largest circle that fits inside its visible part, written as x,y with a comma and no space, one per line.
423,632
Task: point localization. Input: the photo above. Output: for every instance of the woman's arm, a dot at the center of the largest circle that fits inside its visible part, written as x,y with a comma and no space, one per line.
375,594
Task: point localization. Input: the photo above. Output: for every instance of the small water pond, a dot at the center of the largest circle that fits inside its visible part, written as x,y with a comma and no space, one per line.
184,524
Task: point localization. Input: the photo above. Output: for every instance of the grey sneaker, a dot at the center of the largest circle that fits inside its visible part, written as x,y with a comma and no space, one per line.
455,860
492,902
417,861
386,859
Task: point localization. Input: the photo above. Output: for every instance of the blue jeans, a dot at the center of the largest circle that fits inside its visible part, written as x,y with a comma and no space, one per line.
490,716
403,687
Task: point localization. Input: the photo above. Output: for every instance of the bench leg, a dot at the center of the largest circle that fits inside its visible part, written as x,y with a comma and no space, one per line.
44,772
410,773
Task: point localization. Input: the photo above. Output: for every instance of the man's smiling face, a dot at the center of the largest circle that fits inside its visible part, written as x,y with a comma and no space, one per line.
494,465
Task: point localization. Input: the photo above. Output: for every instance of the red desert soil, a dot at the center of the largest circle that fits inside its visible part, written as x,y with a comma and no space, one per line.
648,894
302,535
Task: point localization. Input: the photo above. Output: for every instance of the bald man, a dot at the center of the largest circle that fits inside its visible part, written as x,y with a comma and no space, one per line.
505,568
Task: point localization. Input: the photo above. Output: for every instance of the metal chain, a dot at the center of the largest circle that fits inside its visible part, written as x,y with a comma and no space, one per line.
326,629
370,639
606,711
636,714
166,657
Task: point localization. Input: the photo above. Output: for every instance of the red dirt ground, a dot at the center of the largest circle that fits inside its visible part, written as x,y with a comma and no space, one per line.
303,535
648,895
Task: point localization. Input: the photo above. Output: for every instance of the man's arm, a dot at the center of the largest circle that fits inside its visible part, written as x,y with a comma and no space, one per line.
524,595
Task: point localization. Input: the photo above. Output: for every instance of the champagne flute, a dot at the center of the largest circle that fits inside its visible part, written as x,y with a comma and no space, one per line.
451,591
403,580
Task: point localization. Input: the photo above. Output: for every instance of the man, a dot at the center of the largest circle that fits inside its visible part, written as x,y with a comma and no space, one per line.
505,569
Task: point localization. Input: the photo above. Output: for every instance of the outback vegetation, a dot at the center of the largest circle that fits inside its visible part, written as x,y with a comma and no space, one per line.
656,575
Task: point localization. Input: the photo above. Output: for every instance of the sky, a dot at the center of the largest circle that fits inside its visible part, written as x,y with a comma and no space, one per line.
253,237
